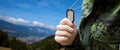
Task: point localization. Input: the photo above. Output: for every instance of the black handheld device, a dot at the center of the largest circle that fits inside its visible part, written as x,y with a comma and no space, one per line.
70,14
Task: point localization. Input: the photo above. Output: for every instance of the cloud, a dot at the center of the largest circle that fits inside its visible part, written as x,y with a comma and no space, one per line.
11,31
20,21
36,23
51,27
30,39
47,3
23,5
13,20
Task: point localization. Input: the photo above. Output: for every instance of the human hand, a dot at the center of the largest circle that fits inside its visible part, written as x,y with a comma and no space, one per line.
66,32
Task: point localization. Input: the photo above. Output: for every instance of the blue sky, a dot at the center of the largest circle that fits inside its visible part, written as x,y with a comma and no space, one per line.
48,12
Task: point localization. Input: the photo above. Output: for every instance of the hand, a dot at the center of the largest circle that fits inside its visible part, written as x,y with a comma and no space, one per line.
66,32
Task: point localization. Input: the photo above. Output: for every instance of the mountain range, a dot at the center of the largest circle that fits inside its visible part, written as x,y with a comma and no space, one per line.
29,34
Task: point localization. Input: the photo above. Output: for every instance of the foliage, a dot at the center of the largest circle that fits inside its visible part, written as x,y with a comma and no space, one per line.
18,45
46,44
15,44
4,39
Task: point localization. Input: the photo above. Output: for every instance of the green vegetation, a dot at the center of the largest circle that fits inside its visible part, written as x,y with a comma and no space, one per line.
15,44
46,44
12,43
4,39
19,45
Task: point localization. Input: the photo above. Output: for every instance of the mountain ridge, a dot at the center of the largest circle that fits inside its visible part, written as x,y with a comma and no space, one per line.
21,31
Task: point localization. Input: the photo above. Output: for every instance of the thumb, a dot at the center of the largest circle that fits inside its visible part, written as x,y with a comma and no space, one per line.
74,26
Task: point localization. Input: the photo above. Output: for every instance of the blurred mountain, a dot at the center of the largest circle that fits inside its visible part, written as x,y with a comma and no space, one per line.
25,33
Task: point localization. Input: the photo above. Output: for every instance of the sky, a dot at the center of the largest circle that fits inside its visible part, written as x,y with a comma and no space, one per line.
38,12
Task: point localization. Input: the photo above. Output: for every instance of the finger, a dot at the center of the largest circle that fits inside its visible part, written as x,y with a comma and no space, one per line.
63,33
66,21
74,25
64,28
61,39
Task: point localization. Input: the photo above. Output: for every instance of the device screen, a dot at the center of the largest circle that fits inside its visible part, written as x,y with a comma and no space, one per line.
70,15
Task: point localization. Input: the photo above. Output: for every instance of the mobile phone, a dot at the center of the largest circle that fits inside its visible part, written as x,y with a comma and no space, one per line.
70,14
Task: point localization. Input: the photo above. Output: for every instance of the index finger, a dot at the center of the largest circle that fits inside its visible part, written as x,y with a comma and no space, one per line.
66,21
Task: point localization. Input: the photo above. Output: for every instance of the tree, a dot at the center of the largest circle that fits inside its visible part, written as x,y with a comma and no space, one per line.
46,44
16,44
4,41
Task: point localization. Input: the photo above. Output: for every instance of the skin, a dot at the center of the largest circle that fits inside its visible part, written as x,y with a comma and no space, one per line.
65,32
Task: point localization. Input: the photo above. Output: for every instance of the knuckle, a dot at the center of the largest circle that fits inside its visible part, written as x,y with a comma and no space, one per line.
56,33
62,21
56,39
71,30
57,27
59,39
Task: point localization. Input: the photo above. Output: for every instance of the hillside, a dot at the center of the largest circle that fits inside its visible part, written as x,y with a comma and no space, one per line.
46,44
15,44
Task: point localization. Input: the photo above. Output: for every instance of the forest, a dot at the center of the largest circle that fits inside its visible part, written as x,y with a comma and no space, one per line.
15,44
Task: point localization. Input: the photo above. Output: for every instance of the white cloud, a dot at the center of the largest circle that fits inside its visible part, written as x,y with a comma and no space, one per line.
23,5
30,39
48,3
13,20
51,27
20,21
36,23
11,31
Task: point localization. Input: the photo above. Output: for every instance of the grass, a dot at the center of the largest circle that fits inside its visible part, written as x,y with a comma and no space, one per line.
62,49
4,48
